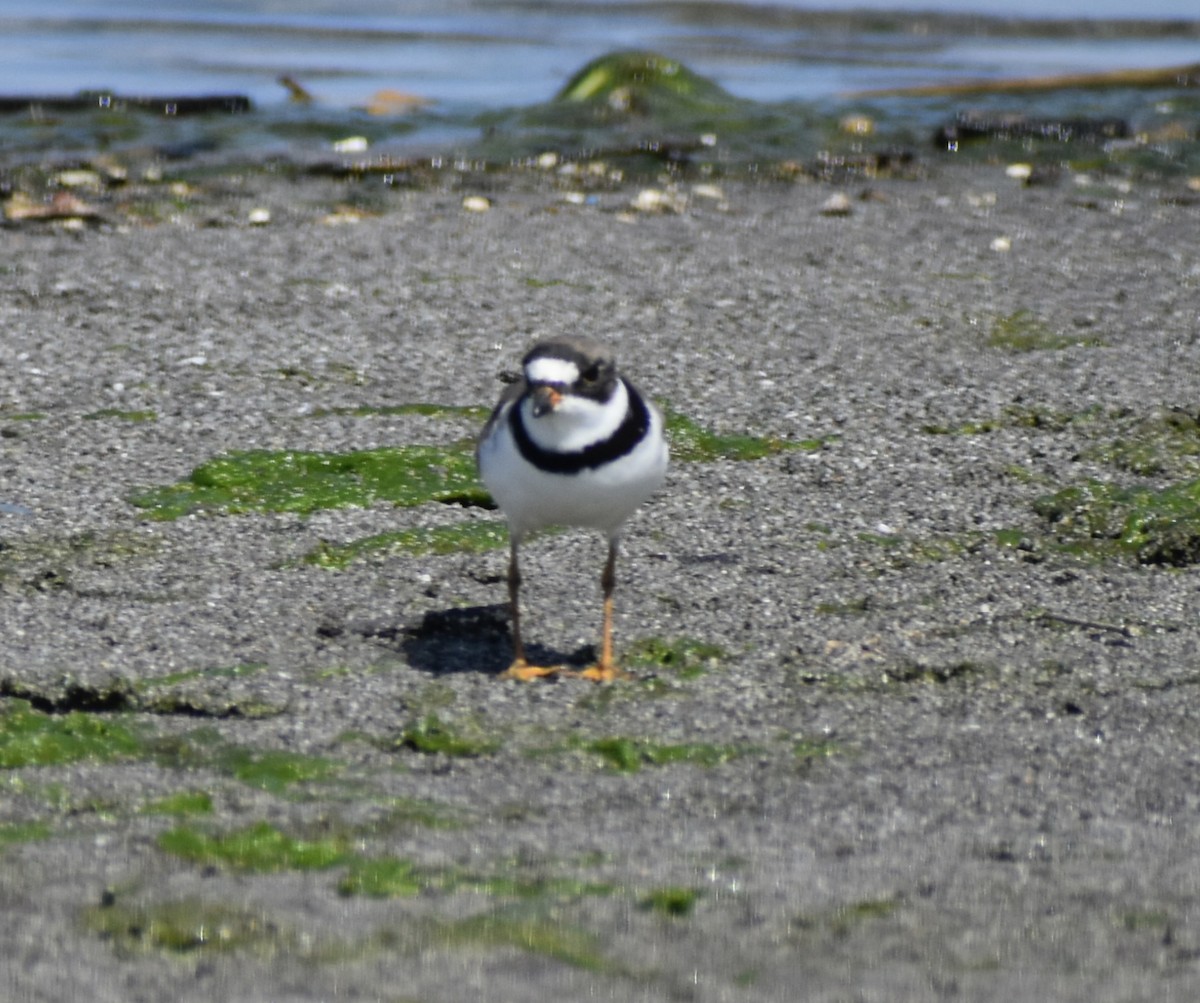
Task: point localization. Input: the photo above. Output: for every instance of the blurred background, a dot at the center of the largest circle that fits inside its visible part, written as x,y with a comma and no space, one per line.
475,54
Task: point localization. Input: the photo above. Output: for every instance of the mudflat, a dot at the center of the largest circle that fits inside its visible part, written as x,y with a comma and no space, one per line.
912,625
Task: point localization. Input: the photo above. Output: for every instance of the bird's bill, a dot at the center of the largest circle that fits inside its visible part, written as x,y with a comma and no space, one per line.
545,399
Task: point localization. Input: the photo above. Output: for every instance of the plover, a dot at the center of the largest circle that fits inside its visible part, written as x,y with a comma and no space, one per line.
571,443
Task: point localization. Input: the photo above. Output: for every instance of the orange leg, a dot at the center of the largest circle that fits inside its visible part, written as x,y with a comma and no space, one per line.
520,669
604,671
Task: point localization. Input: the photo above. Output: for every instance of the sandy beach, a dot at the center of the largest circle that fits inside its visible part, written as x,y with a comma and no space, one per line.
901,729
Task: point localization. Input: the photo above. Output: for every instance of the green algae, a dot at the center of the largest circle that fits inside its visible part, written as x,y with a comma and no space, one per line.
29,737
1164,444
1014,416
547,936
432,736
184,927
221,672
673,901
389,877
259,848
418,813
49,563
461,538
1154,526
133,417
181,805
303,482
846,918
192,927
1022,331
807,750
628,755
691,443
273,770
205,692
901,551
398,877
13,833
643,81
683,657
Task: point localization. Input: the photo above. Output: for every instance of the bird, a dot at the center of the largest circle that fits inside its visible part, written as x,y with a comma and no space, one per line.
572,443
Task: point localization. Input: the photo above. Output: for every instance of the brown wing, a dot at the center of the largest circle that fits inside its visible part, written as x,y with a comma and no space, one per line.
509,397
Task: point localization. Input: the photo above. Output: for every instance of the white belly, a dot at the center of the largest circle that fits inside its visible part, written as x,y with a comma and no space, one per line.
600,498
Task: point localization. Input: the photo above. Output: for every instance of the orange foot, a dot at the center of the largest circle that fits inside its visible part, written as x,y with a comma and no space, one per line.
522,670
604,673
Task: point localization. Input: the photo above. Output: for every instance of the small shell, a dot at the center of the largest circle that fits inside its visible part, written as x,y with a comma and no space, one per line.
838,204
351,144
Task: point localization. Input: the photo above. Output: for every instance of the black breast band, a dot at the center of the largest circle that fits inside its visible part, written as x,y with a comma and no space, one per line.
622,441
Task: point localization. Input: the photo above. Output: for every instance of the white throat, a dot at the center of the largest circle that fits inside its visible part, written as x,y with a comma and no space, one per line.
577,422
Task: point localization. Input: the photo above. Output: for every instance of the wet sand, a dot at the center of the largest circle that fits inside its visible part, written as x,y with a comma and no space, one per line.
934,755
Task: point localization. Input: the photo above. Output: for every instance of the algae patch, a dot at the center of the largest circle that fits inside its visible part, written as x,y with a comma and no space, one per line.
547,936
461,538
221,673
628,755
275,771
184,927
671,901
181,805
431,736
398,877
1166,443
29,737
12,833
1022,331
303,482
261,847
683,657
1153,526
112,413
640,76
691,443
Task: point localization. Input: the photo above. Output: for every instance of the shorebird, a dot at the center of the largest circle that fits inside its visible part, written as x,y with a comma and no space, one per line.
571,443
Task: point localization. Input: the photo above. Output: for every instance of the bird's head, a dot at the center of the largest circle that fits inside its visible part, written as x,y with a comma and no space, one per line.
569,376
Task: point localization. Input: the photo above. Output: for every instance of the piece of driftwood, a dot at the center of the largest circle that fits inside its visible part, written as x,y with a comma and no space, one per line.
1172,76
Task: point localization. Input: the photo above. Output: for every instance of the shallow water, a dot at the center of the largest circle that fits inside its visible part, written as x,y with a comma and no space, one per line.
477,63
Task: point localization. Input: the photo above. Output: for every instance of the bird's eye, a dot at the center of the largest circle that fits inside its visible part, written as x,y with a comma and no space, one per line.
591,374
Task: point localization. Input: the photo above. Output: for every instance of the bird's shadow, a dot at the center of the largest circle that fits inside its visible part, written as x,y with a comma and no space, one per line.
476,639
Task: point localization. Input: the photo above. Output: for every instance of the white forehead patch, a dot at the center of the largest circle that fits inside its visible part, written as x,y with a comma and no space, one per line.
548,370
